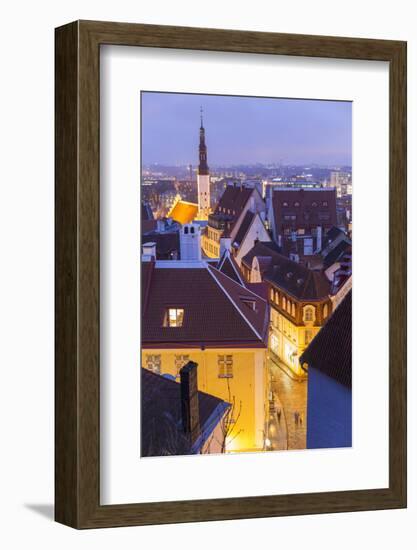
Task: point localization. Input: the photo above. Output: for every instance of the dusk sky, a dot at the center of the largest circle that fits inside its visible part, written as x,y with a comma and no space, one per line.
245,130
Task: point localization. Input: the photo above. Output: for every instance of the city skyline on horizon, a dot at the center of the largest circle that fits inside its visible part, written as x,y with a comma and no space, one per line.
245,130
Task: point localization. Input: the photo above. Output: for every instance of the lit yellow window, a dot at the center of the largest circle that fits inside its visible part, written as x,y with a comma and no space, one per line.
174,317
225,364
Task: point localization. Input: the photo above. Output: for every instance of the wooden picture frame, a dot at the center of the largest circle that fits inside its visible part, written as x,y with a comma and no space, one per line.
77,406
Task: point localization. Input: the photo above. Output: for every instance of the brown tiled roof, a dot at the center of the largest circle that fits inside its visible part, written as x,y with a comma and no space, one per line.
183,212
244,227
161,422
297,280
214,313
233,202
292,277
251,306
261,248
261,289
306,214
229,267
331,350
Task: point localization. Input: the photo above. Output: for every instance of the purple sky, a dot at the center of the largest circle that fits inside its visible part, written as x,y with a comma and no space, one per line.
245,130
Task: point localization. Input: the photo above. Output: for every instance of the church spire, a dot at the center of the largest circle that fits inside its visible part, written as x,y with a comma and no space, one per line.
203,169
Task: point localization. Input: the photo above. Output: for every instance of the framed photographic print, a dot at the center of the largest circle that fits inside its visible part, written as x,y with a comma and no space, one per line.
230,274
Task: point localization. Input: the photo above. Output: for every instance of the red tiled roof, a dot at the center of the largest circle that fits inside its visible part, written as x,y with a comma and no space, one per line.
214,309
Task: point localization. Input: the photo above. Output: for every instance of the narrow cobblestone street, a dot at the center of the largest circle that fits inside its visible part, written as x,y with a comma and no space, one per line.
291,396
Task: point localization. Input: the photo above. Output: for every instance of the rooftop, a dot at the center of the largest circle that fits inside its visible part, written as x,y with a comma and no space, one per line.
162,429
217,311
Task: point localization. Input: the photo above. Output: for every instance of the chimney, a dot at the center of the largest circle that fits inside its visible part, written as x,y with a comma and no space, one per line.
148,252
189,401
225,244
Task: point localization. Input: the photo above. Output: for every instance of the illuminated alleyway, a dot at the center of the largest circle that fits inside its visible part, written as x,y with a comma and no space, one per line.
292,395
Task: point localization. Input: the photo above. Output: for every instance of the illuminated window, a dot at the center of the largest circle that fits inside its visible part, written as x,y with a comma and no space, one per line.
309,313
325,311
274,344
285,204
314,204
225,365
325,203
289,307
284,303
293,310
174,317
180,361
297,204
153,363
271,294
308,336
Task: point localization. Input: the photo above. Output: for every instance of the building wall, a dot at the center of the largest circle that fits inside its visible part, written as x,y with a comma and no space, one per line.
210,242
290,332
247,390
329,412
256,231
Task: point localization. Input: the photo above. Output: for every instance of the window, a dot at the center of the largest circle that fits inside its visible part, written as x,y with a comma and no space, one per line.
289,307
325,311
293,310
153,363
192,230
249,303
186,230
174,317
309,313
325,203
284,303
225,364
271,294
285,204
180,361
308,336
274,344
297,204
314,204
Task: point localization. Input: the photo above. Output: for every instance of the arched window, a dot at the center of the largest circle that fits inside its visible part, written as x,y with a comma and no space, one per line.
309,313
186,230
293,310
289,307
325,311
192,229
272,294
284,303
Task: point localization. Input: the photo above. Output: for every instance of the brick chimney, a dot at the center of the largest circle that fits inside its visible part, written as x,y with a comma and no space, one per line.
189,401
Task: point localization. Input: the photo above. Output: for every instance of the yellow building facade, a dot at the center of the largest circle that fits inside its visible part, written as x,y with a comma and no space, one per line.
238,376
293,325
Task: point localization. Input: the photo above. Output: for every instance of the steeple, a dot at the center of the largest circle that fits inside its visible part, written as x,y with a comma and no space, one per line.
203,169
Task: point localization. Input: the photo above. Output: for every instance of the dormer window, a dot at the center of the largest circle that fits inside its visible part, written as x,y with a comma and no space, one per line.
297,204
285,203
251,304
174,317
